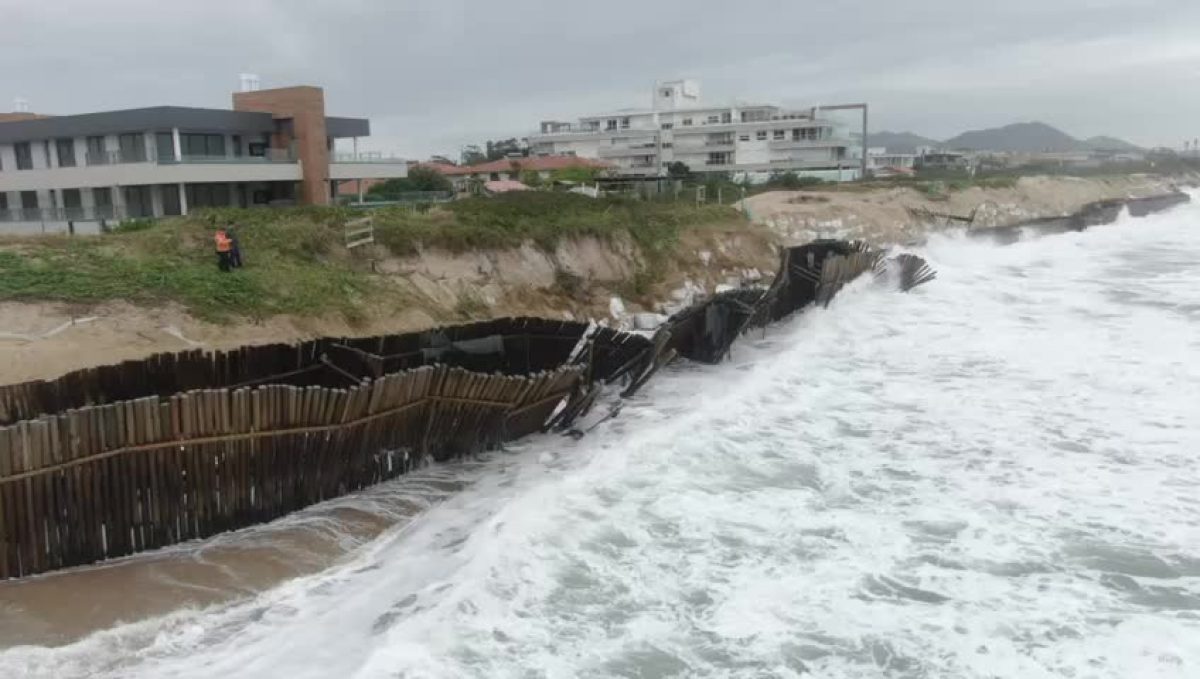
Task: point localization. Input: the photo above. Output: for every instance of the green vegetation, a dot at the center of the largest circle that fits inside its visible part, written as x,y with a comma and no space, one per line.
295,259
470,305
576,173
418,179
678,170
542,217
531,178
790,181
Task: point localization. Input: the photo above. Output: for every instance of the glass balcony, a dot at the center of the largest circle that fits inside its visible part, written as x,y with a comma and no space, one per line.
365,157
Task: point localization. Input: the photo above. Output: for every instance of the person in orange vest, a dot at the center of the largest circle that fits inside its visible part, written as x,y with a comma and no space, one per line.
235,250
224,249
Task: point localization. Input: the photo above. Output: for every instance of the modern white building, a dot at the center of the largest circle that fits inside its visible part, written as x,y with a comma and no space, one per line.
883,163
748,140
274,147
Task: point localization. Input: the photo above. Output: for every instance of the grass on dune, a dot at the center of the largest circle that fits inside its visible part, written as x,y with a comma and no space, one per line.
296,262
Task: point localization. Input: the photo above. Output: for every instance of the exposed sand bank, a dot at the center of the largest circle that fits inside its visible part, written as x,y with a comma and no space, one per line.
42,340
898,215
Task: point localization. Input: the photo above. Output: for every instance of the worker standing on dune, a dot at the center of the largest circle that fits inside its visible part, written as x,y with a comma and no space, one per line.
224,250
235,248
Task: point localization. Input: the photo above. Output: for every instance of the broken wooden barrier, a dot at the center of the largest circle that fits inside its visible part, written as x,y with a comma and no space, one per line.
131,462
114,460
808,274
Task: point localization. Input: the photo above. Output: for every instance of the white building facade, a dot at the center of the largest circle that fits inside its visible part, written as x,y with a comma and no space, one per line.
746,140
57,172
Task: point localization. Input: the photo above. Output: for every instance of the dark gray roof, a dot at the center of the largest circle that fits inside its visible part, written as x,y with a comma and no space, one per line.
161,118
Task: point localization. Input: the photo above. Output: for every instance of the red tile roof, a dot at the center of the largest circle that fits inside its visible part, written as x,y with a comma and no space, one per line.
504,186
440,167
20,115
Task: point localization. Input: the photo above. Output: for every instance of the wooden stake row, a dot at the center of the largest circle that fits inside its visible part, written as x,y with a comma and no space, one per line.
109,480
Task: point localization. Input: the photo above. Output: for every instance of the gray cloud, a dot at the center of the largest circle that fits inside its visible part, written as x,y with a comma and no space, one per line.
435,75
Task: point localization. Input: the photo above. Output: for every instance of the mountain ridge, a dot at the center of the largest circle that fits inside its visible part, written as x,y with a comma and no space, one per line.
1026,137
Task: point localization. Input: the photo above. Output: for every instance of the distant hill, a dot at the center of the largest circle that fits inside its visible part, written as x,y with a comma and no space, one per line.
1110,144
1018,137
1032,137
901,142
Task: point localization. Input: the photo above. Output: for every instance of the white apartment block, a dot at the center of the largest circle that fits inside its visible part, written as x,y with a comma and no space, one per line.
275,147
748,140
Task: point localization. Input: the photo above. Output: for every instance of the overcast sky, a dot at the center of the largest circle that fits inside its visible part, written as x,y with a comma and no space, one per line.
436,74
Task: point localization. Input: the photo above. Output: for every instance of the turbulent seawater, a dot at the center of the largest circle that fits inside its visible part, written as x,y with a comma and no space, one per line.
997,475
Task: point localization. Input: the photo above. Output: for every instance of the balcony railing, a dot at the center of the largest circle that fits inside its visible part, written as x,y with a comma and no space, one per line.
596,130
627,150
365,157
811,143
102,158
270,156
115,157
62,214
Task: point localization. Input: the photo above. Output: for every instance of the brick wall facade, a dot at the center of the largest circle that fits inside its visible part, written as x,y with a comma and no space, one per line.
305,107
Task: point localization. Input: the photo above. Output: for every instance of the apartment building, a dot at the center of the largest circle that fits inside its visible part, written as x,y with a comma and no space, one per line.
747,140
272,147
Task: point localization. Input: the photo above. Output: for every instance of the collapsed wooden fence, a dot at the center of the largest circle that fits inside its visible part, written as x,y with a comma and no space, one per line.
132,462
808,274
113,460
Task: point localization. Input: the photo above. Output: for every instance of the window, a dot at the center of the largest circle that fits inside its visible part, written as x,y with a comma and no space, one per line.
66,152
237,146
24,156
667,145
72,198
780,135
164,147
258,148
170,199
138,202
713,119
46,154
687,121
102,197
667,126
207,195
203,145
719,158
610,124
3,200
727,117
666,94
743,137
132,146
29,200
761,135
96,152
624,123
72,203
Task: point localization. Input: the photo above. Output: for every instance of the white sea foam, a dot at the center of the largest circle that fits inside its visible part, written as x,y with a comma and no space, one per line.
992,476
